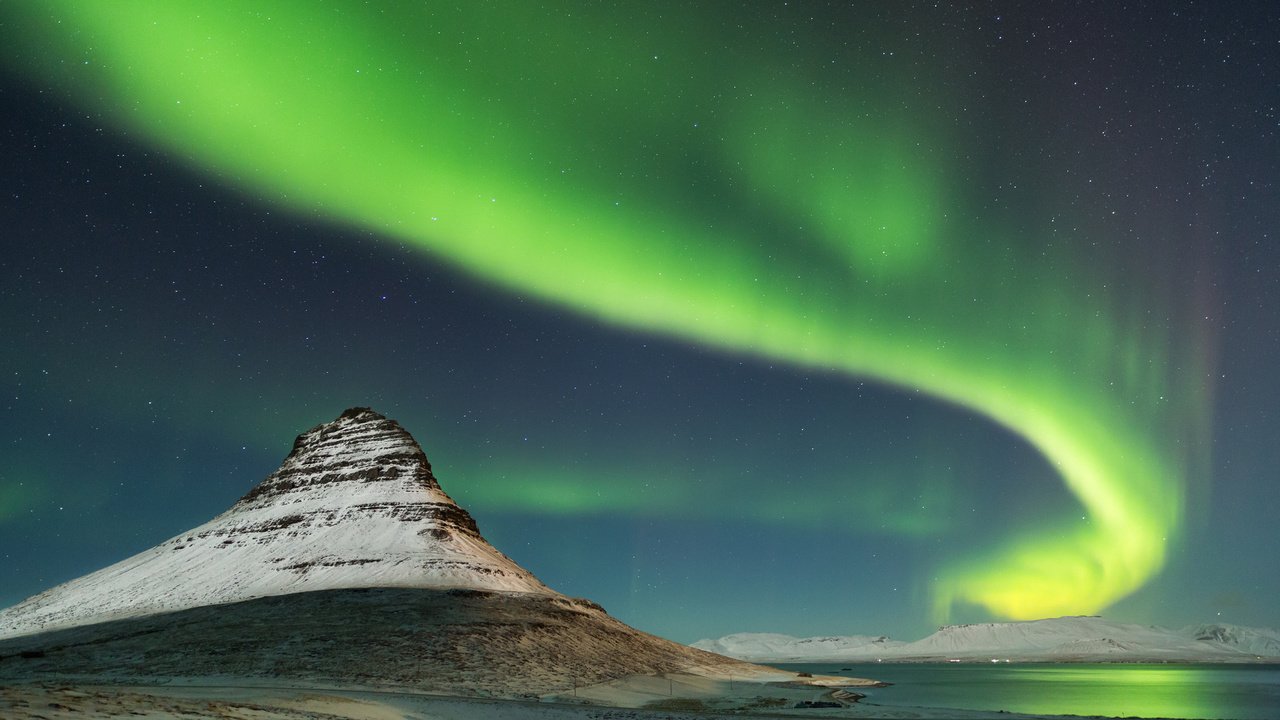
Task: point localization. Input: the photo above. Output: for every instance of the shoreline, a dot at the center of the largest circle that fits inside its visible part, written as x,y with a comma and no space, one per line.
82,699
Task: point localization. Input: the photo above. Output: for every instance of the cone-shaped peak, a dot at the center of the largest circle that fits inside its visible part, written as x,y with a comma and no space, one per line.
355,504
360,446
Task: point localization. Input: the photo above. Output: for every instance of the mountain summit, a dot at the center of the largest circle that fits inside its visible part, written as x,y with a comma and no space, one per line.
354,505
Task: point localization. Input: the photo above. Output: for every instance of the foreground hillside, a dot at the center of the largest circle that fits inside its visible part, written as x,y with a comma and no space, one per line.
457,642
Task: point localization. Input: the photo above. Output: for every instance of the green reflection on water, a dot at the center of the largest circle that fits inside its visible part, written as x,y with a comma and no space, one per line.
1247,692
1144,691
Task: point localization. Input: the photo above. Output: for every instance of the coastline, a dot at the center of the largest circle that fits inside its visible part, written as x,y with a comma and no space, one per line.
54,700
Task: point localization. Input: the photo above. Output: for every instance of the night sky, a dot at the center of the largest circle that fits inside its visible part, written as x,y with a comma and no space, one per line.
816,318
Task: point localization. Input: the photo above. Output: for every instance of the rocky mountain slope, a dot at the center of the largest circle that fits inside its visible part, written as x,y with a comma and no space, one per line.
455,642
354,505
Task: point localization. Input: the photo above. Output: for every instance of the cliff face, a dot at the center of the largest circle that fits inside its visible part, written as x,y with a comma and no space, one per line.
354,505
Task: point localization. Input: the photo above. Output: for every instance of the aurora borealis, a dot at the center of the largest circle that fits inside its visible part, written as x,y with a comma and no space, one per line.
826,221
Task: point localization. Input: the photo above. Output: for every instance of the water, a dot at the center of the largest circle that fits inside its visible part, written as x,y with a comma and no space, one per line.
1238,692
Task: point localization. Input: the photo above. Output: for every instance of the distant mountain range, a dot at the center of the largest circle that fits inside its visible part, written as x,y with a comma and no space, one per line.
1065,639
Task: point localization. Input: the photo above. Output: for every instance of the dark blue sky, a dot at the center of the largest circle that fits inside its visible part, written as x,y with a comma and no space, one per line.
167,334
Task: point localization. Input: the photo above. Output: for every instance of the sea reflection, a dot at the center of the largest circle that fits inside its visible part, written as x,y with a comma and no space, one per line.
1144,691
1247,692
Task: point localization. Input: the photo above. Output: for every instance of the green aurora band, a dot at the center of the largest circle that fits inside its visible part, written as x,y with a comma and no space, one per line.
672,177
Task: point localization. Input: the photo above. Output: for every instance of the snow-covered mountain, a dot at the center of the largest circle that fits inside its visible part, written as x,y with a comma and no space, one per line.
348,566
1060,639
1065,639
773,647
354,505
1253,641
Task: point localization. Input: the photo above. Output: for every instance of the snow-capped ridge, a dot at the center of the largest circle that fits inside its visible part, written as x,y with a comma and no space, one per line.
1075,638
775,647
355,504
1254,641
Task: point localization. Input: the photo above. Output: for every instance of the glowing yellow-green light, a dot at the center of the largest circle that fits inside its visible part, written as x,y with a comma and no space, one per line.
564,168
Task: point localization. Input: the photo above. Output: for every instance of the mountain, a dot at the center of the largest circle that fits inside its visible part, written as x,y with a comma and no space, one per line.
1065,639
1056,639
1253,641
773,647
354,505
347,567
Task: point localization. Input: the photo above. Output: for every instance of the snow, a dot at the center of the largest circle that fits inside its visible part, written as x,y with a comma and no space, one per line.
1253,641
1066,639
355,505
774,647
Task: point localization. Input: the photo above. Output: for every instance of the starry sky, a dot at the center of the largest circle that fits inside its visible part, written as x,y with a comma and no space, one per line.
816,318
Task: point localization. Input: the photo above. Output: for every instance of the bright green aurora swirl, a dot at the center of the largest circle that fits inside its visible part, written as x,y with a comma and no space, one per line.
687,176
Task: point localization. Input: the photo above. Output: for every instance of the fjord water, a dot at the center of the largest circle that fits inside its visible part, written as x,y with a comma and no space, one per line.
1242,692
